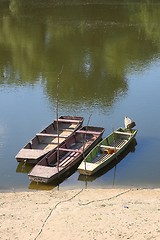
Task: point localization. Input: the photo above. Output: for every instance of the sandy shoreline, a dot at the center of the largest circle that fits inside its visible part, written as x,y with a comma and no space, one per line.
81,214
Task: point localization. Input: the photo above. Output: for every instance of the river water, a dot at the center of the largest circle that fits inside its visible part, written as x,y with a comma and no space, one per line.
110,55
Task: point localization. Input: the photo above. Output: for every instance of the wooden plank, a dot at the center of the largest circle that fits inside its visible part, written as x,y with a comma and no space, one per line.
88,132
65,134
43,171
68,120
107,146
120,143
50,146
65,163
30,153
70,150
123,133
66,158
104,158
98,158
67,129
48,135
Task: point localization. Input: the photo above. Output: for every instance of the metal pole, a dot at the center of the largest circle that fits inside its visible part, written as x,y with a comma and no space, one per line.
57,110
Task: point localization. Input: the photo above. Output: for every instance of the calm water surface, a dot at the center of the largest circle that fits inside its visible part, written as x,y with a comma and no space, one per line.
110,54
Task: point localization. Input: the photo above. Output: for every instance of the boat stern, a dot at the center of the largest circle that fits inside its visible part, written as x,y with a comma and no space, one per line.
43,174
86,168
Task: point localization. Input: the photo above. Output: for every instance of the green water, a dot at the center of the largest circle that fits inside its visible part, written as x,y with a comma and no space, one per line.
109,54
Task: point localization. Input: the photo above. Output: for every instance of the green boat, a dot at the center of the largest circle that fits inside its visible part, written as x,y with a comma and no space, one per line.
107,151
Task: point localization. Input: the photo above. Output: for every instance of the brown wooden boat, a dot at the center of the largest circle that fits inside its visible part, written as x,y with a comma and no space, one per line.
49,138
58,162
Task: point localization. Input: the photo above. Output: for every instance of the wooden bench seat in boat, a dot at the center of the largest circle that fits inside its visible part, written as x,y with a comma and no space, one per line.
49,135
70,150
68,120
50,146
88,132
123,133
107,146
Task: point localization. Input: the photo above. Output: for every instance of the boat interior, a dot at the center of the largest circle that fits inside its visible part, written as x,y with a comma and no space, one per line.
73,147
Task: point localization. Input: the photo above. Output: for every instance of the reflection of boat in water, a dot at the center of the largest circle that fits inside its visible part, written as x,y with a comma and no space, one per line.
111,165
24,168
41,186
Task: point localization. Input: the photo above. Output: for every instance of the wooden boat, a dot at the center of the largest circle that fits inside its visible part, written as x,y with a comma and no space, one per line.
58,162
49,138
113,164
106,151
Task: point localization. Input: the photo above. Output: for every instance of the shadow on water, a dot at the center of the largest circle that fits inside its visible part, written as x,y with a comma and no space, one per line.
41,186
113,164
24,168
